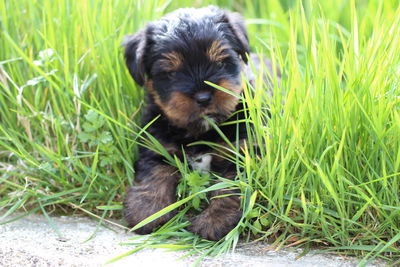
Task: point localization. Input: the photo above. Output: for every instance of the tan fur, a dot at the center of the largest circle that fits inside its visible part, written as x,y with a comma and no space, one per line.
148,84
225,102
216,51
178,108
172,61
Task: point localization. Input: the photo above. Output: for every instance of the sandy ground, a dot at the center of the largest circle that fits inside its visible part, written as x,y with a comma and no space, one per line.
31,241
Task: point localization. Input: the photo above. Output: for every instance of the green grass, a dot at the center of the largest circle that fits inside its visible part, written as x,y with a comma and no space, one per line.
328,172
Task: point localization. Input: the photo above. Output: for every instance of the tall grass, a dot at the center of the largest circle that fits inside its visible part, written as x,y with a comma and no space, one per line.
327,171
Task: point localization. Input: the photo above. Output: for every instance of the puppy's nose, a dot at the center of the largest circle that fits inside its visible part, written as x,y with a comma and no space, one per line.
203,98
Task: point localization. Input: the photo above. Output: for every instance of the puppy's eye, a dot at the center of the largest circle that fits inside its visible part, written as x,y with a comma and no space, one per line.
221,64
171,74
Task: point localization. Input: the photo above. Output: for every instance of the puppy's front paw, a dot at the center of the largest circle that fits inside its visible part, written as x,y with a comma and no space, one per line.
214,225
142,202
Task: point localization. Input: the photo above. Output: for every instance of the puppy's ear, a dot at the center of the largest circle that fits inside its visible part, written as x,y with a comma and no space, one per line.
236,24
134,53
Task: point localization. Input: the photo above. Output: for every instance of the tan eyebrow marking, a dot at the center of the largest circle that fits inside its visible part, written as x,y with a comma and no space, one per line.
216,51
172,61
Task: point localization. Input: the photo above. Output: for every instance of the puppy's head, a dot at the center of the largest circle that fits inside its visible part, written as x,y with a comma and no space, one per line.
174,56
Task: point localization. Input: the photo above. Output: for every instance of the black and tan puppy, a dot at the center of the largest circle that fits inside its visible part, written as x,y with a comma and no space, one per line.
171,58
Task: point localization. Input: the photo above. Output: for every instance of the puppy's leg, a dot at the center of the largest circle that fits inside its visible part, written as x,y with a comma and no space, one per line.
223,213
154,191
220,217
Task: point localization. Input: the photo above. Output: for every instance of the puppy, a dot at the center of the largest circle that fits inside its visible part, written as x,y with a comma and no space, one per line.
171,58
